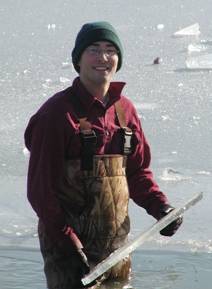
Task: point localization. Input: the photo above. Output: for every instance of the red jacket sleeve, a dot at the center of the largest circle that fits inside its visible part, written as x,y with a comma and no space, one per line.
45,138
142,186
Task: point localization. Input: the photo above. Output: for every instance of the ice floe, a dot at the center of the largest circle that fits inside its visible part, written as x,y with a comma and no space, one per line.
196,48
160,26
172,175
199,61
51,27
191,30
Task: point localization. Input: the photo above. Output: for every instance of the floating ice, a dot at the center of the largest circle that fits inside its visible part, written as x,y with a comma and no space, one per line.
192,30
191,244
199,62
48,80
206,173
206,41
165,117
128,286
66,65
47,83
64,79
160,26
26,152
196,48
6,231
170,175
51,26
146,106
196,117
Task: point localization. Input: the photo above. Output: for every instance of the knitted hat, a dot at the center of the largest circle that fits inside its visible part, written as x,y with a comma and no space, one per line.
93,32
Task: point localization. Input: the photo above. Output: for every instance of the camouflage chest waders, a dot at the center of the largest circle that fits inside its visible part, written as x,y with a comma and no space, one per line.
95,202
96,206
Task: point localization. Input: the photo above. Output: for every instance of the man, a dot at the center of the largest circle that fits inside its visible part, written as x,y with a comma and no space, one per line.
88,155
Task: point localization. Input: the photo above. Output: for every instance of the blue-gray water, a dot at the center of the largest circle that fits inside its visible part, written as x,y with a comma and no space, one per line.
174,103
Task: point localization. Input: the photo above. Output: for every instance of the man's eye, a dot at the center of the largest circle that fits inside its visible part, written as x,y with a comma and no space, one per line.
111,51
94,50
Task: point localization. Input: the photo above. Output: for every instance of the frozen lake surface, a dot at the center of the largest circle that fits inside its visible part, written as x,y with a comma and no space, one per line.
173,100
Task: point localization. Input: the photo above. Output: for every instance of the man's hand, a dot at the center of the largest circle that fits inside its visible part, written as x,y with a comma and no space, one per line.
171,229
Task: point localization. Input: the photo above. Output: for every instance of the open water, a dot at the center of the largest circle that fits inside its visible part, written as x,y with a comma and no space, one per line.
173,101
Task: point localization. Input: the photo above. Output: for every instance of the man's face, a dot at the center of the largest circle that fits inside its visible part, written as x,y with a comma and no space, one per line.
98,63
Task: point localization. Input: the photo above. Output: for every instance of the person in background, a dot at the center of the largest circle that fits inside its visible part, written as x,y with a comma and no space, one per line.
88,156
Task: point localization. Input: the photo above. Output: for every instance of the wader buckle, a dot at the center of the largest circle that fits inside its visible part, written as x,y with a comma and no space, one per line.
127,137
88,136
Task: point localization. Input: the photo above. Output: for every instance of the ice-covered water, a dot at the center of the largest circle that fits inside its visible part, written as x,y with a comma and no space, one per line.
174,102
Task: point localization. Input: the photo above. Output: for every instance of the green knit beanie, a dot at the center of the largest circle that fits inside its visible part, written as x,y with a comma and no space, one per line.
93,32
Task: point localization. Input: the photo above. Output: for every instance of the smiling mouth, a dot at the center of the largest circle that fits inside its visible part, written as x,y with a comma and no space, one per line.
101,68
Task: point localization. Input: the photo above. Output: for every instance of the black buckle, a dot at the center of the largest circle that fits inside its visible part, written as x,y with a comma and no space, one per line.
127,137
88,136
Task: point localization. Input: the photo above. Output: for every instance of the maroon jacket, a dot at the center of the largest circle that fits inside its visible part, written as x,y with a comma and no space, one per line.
51,138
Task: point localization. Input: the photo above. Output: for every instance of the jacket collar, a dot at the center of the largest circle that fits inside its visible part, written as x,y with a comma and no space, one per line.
87,100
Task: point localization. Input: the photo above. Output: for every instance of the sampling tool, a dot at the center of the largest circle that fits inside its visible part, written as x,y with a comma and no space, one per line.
77,243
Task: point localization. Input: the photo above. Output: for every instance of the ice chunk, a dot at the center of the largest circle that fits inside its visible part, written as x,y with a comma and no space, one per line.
51,27
196,48
160,26
66,64
192,30
26,152
129,247
199,62
64,79
165,117
204,173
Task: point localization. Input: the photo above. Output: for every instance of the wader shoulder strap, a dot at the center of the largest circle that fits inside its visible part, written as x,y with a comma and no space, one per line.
126,131
87,134
88,142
